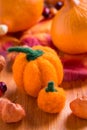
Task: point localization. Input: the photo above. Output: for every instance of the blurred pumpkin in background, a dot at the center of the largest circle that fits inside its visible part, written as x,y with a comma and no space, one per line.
69,27
18,15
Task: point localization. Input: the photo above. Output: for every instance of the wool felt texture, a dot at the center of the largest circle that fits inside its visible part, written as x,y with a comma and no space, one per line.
32,75
51,99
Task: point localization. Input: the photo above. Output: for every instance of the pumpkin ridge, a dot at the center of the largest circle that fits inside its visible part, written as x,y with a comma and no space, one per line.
40,72
32,87
46,57
50,58
23,77
47,75
17,70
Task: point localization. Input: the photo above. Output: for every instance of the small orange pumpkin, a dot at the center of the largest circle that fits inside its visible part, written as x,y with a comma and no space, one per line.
33,68
51,99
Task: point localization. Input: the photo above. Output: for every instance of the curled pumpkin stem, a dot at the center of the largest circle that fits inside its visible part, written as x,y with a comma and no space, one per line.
30,53
50,87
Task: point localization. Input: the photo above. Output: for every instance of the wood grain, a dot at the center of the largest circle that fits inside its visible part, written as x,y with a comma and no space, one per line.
38,120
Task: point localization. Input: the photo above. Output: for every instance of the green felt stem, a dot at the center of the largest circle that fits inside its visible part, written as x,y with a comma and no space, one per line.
30,53
50,87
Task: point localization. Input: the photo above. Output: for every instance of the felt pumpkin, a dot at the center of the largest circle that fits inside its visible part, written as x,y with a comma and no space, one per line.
33,68
51,99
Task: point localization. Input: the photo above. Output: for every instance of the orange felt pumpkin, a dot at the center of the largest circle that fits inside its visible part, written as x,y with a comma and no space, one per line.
33,68
18,15
51,99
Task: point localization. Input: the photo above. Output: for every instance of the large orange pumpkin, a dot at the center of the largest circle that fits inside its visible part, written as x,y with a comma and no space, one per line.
34,68
20,14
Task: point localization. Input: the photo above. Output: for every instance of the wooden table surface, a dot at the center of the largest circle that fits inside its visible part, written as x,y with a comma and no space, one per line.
38,120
